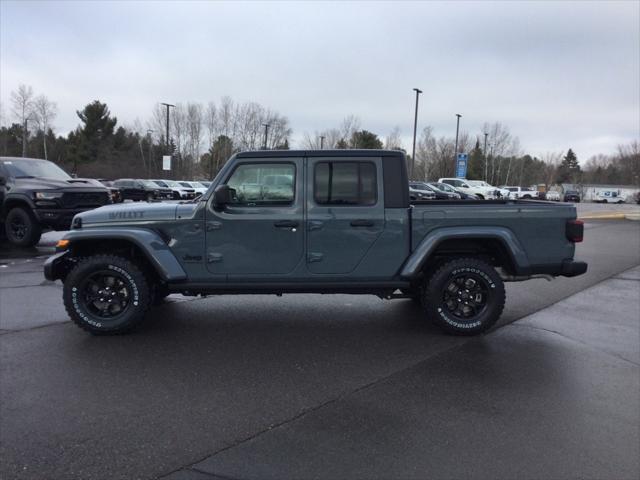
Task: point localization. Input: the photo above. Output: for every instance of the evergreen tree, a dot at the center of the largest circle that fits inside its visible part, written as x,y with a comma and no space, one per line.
342,144
98,124
569,170
475,167
365,139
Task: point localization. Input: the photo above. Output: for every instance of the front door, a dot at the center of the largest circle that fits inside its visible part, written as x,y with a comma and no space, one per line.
261,232
345,212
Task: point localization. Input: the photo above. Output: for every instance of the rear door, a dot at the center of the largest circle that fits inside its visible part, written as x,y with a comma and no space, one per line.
345,212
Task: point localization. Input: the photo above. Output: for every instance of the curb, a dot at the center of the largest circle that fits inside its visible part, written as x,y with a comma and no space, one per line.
611,216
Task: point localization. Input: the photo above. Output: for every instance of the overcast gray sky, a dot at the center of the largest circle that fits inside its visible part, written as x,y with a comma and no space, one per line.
559,74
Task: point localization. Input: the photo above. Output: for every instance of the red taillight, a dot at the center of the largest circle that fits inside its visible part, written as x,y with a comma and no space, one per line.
575,230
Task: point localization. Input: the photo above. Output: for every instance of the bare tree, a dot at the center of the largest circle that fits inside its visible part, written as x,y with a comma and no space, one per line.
393,140
349,126
194,135
44,112
158,123
329,140
434,156
212,123
502,145
552,161
179,134
22,109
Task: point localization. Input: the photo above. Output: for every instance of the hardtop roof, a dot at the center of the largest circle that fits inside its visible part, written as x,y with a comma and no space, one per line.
319,153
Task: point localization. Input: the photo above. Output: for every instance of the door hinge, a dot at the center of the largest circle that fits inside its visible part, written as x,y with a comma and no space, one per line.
214,257
314,257
315,225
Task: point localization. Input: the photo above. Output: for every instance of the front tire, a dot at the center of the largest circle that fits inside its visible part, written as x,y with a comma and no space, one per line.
465,296
22,227
106,295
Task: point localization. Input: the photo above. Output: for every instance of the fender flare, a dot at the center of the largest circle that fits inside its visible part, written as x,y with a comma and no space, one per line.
16,197
413,266
150,243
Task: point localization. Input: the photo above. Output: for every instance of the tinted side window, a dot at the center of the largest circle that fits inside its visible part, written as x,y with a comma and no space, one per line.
263,184
345,183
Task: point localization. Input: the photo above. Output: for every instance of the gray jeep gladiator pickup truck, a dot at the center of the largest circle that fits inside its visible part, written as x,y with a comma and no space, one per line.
336,221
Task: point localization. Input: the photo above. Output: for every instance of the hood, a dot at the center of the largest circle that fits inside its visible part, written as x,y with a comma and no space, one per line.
125,213
55,184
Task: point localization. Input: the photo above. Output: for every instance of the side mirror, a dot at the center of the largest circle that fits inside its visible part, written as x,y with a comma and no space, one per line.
222,195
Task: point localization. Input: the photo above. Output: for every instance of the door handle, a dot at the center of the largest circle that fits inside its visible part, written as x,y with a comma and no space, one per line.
286,224
361,223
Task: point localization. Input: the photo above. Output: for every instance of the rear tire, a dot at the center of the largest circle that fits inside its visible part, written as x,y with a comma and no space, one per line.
106,295
22,227
464,296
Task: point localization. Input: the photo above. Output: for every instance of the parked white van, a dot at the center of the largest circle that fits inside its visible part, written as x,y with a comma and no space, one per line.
609,196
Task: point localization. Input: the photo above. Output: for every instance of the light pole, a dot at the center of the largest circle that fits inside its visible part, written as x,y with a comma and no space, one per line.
484,150
168,105
415,128
149,132
455,154
266,132
321,142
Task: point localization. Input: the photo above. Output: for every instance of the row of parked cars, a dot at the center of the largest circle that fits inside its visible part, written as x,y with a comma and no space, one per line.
454,189
463,189
138,189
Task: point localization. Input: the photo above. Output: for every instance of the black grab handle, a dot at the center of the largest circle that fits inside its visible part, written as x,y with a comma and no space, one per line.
286,224
362,223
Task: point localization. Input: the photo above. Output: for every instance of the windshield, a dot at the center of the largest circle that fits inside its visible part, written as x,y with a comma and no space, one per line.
435,187
19,168
444,187
185,184
171,183
478,183
148,184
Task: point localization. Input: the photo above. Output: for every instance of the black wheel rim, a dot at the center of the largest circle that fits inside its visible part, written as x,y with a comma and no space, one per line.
466,296
18,228
106,294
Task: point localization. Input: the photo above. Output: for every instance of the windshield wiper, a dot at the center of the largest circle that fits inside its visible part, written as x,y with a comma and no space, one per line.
26,176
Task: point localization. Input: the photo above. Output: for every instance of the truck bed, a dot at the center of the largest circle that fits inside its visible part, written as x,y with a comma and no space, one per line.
538,227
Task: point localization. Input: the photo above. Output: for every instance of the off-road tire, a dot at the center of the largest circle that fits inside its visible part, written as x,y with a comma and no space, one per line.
30,232
438,297
150,197
83,313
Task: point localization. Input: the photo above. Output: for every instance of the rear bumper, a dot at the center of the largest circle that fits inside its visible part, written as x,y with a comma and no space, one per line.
567,268
571,268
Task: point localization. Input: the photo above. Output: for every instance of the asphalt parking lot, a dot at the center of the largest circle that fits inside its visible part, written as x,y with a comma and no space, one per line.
310,386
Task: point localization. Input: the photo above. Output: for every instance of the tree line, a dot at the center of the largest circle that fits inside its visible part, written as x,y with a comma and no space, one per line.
202,138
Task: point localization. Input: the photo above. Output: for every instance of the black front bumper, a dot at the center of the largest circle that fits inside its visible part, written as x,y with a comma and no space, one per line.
56,266
58,218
